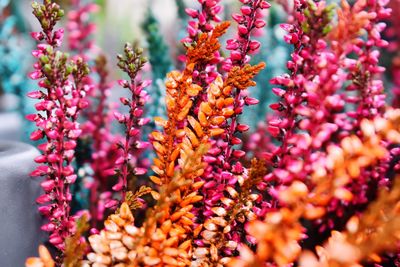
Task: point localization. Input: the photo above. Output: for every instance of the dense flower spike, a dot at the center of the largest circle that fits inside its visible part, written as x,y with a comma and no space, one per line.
97,129
249,20
61,98
202,19
223,169
131,63
364,70
79,28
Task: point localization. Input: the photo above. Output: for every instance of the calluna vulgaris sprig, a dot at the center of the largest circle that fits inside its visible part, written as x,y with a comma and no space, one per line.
61,98
225,174
131,63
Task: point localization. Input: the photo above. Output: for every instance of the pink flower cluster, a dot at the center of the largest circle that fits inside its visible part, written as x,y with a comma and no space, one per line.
80,28
61,98
249,21
225,172
210,10
131,64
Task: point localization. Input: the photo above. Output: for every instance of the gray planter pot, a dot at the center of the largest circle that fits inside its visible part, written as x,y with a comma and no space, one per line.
20,221
11,121
10,126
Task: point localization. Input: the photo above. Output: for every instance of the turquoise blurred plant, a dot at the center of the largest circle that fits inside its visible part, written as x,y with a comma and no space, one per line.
13,64
160,62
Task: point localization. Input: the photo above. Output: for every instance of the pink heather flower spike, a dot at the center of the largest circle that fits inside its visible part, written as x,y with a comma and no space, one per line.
131,64
80,28
225,171
60,102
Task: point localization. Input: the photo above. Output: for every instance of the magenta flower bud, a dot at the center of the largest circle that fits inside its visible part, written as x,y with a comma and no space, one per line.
120,160
44,210
238,18
47,185
71,178
125,101
43,199
142,144
52,158
133,132
36,135
273,130
111,203
232,44
53,134
209,27
278,91
68,170
40,159
236,55
56,240
94,231
191,12
239,153
123,83
48,227
192,31
259,23
59,34
226,175
216,10
254,45
242,29
69,145
251,101
140,171
143,121
121,118
35,75
202,18
264,5
209,159
246,10
38,36
37,53
236,141
32,117
118,187
138,112
287,27
242,127
40,171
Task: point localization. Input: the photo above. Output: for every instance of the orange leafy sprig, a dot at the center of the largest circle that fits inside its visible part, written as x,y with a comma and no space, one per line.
351,22
179,100
164,239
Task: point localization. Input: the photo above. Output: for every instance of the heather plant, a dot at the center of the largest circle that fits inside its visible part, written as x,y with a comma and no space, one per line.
315,185
60,99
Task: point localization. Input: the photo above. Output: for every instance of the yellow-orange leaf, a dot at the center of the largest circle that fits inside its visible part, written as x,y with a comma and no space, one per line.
196,126
216,131
156,180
